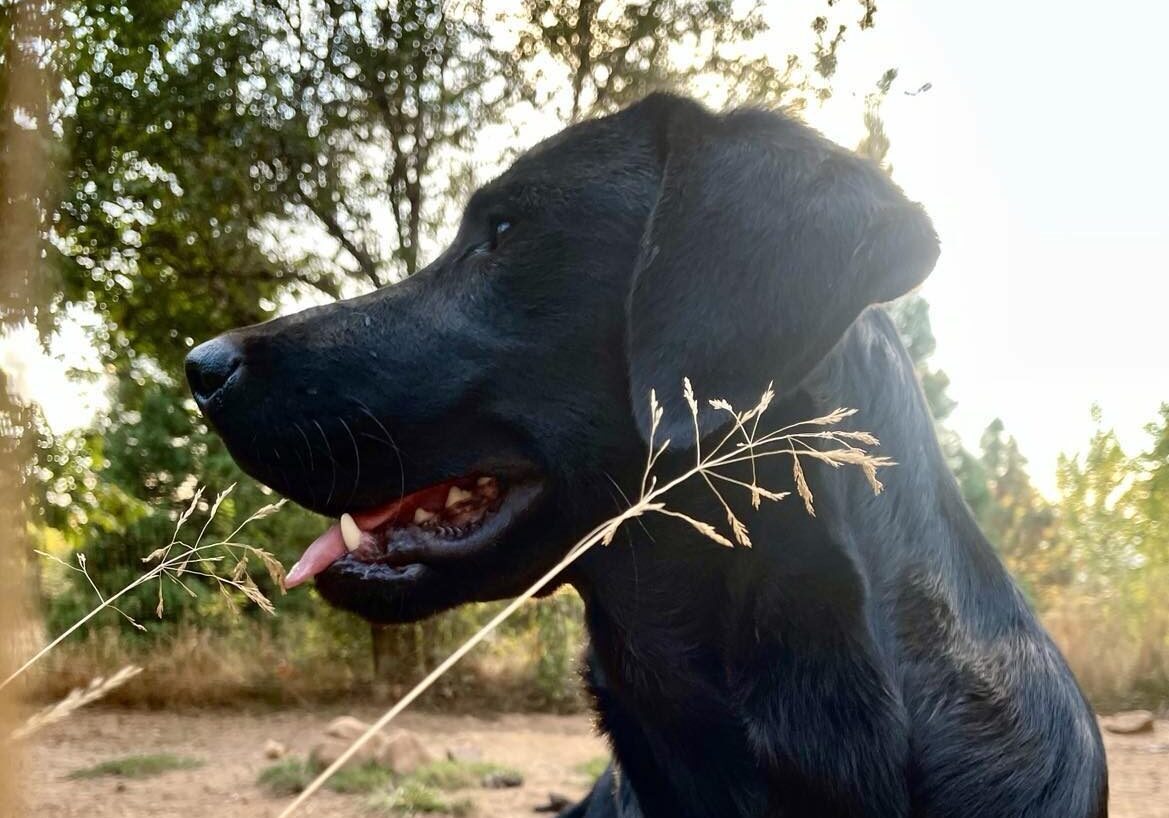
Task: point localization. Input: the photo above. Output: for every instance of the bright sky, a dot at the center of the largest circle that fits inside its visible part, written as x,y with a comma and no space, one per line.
1039,153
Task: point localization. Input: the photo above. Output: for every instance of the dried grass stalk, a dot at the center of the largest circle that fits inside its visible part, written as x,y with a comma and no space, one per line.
176,559
79,697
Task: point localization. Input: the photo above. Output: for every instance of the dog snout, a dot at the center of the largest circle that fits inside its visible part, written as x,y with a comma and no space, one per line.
210,367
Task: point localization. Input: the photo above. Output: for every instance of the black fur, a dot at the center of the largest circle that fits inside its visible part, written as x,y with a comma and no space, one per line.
873,660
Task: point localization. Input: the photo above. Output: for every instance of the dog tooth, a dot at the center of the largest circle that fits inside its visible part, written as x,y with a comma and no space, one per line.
457,495
350,532
485,481
421,516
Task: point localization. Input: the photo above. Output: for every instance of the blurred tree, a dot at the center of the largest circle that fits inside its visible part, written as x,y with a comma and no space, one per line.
28,144
115,492
224,152
875,143
614,54
218,156
1099,512
1111,514
221,153
912,317
1152,490
1018,520
160,226
1151,496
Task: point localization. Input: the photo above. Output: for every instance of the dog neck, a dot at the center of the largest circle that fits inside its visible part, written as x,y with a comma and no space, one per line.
919,527
664,597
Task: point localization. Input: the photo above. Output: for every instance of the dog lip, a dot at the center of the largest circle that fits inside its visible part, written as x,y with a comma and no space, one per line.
413,544
410,544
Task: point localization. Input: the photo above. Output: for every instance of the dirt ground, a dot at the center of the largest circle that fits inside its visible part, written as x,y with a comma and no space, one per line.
546,749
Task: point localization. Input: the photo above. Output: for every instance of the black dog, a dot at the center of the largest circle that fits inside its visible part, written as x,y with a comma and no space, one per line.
873,660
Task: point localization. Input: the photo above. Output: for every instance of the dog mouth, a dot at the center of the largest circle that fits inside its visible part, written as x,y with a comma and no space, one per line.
442,523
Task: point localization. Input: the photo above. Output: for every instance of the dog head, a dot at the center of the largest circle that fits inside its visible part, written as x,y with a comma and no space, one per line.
474,418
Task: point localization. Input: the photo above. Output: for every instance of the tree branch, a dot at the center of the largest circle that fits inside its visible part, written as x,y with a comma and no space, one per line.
365,262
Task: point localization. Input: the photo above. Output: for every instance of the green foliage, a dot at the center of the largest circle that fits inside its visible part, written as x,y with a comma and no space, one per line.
593,768
291,775
1017,518
115,492
158,225
412,798
218,155
1113,532
138,766
224,152
556,627
1112,515
360,780
615,55
286,777
1095,562
457,775
417,792
912,317
1100,512
1151,490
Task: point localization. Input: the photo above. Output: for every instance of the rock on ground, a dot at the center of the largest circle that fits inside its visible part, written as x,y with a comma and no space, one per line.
1129,723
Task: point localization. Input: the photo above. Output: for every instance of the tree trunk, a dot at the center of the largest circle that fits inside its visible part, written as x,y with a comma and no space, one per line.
397,656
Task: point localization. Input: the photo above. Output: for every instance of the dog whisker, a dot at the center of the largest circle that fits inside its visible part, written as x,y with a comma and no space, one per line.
628,503
390,440
280,466
632,551
300,461
307,445
357,461
332,459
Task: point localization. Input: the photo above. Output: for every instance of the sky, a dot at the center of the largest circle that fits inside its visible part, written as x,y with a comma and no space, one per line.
1038,151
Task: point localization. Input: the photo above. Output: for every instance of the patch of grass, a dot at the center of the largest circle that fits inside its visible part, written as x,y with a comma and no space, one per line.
456,775
286,777
413,798
291,775
138,766
593,768
361,780
420,793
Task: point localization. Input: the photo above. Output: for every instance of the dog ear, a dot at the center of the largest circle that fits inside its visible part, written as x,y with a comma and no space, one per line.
765,243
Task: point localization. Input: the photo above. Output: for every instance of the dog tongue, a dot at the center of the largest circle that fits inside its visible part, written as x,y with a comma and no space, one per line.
330,546
325,550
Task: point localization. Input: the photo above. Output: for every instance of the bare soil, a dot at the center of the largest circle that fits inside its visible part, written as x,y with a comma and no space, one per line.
546,749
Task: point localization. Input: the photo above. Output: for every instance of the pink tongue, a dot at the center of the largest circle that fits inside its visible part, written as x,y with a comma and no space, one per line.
330,546
325,550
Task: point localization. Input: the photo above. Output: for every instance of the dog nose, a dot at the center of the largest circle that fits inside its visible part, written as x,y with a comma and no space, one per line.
210,365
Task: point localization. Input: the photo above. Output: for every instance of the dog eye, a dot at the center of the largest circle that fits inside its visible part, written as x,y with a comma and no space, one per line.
498,229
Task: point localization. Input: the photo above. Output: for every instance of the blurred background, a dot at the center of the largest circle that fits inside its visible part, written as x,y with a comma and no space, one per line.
174,169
